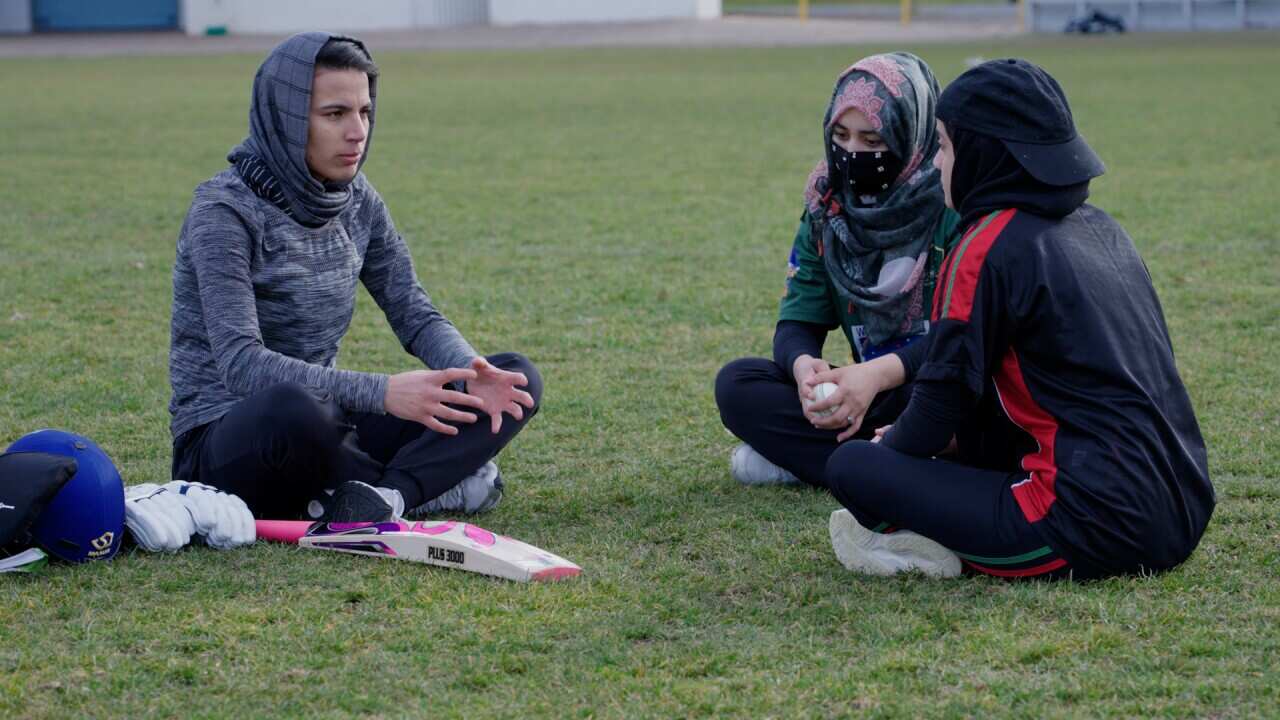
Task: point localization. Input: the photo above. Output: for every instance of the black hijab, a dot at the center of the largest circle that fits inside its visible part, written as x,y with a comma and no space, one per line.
986,177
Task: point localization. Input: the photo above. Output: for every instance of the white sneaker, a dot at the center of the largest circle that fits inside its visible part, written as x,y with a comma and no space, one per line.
478,492
861,550
751,468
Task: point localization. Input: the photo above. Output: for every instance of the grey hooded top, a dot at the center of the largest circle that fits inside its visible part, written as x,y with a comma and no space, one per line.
260,299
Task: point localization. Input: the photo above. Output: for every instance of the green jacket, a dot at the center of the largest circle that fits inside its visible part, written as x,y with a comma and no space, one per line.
810,296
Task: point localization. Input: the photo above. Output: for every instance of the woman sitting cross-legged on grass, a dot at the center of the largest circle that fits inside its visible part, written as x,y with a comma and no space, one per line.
865,259
1048,372
264,289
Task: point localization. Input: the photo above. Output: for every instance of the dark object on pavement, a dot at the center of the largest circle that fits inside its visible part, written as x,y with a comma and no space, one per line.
1096,22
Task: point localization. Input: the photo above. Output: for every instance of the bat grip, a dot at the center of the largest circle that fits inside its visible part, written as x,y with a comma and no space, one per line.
283,531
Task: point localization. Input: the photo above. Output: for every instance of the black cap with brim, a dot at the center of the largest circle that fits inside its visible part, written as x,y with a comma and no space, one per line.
1066,163
1021,105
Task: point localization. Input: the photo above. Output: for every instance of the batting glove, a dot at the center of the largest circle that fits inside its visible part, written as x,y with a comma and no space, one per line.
222,519
157,518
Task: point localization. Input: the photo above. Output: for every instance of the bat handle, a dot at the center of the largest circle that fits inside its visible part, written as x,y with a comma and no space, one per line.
283,531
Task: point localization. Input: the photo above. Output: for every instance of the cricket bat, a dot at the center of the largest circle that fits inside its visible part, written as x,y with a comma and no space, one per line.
446,544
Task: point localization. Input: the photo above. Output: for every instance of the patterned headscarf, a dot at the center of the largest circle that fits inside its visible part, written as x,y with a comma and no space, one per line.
278,114
876,254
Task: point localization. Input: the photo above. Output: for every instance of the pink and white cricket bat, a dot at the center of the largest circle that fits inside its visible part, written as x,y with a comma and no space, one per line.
447,544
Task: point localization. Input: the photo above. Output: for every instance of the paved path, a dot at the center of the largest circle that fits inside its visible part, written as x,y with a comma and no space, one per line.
731,31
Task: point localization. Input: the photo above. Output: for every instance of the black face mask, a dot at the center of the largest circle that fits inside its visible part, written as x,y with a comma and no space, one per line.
866,172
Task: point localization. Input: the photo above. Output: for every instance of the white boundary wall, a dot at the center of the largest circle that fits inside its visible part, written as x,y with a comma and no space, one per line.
287,16
537,12
15,16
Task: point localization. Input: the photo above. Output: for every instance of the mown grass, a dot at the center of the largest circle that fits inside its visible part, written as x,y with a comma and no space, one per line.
623,217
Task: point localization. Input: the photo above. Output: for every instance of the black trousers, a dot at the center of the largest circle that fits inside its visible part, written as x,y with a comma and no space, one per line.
970,511
284,446
759,404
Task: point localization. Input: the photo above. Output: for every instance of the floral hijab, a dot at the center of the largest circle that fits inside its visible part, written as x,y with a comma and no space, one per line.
876,252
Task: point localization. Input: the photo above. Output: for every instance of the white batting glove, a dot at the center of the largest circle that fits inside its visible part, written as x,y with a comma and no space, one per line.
222,519
157,518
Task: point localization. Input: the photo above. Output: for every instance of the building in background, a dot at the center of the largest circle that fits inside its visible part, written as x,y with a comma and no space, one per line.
201,17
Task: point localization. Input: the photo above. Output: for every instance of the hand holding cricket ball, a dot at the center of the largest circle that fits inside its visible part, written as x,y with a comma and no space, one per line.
841,399
830,407
856,386
803,369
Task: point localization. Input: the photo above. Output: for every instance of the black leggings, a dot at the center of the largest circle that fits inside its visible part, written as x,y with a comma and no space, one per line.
759,404
282,447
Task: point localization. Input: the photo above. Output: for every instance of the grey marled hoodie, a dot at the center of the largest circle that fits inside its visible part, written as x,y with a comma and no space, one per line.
259,299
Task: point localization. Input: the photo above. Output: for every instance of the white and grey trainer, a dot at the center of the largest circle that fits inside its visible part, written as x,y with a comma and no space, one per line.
861,550
751,468
477,493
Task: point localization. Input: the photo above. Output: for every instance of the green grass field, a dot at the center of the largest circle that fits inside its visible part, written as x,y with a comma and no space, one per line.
623,217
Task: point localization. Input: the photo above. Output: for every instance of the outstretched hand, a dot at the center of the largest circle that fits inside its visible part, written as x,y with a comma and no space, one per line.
420,396
500,391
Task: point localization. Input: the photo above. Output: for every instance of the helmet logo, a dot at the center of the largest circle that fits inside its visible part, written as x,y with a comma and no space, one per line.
102,543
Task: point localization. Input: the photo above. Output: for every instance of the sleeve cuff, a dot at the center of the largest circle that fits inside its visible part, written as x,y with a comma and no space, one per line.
368,393
940,372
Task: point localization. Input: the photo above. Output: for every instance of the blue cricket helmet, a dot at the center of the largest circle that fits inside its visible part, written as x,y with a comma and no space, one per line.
85,520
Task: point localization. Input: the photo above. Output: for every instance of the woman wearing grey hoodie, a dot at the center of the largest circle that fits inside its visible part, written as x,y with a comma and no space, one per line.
263,291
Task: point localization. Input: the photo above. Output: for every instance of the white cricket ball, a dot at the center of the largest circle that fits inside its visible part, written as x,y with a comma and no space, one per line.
822,392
